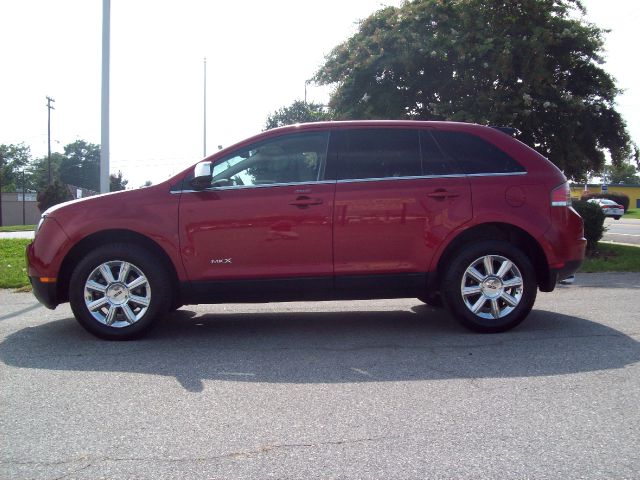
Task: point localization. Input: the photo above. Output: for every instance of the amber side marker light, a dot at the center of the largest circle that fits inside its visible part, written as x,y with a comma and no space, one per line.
48,279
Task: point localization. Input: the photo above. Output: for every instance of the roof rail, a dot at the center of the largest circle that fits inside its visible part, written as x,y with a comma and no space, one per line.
511,131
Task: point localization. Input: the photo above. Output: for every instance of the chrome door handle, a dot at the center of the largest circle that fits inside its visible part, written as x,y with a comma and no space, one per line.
304,202
442,194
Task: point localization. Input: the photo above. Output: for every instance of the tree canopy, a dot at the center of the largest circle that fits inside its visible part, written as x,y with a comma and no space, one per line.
624,173
297,112
80,165
13,159
117,182
531,64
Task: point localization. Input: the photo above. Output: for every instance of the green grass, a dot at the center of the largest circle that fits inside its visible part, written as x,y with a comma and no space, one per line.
18,228
632,213
612,258
13,266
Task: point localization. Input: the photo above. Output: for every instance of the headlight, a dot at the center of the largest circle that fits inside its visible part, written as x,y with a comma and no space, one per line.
42,217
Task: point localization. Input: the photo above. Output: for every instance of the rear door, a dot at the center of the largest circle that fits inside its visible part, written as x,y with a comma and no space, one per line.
397,199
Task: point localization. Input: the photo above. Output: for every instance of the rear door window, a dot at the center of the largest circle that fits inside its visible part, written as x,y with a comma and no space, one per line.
379,153
434,162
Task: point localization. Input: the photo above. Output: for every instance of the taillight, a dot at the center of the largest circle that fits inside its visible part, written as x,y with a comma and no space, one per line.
561,196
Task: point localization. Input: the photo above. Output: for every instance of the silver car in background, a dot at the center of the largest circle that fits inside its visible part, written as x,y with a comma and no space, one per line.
609,207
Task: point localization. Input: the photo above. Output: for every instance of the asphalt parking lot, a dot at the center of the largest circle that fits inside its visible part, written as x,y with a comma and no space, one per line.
380,389
625,230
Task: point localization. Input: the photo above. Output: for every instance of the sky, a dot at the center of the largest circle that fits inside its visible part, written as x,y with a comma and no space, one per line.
259,55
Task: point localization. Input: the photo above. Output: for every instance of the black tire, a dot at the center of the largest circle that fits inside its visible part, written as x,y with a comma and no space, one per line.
616,217
175,306
432,299
124,308
494,313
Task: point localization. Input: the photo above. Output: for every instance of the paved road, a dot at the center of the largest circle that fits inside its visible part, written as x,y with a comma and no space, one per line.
382,389
17,234
625,230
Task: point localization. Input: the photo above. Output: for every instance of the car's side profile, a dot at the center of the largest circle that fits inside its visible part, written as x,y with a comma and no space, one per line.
609,207
450,213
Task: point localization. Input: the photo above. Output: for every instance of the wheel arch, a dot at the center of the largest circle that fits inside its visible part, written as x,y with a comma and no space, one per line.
496,231
105,237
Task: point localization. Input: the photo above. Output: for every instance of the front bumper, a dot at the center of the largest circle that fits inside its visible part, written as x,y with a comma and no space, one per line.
46,293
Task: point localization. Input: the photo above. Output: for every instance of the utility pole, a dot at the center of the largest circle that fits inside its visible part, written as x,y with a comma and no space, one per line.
1,162
24,200
104,136
204,151
49,108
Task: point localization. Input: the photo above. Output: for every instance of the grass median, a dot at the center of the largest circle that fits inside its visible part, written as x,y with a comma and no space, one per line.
18,228
608,257
13,267
632,213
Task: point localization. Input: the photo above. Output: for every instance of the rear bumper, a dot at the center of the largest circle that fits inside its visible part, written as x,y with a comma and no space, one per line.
46,293
556,275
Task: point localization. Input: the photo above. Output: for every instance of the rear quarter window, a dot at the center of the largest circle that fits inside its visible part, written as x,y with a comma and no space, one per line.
475,155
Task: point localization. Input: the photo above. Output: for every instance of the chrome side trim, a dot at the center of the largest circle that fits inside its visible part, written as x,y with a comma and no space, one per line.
423,177
509,174
355,180
266,185
420,177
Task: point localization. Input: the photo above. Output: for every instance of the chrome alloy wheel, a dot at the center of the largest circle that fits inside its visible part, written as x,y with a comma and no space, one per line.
492,286
117,293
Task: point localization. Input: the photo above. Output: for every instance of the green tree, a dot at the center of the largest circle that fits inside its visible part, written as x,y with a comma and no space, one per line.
624,173
80,165
297,112
13,159
531,64
38,171
52,195
117,182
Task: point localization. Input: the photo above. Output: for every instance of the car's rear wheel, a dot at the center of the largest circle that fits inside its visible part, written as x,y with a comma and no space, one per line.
117,291
490,286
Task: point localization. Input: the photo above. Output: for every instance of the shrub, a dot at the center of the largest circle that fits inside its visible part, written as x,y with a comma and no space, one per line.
52,195
593,218
619,198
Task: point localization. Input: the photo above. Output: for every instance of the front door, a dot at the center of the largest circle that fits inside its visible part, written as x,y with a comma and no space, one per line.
267,214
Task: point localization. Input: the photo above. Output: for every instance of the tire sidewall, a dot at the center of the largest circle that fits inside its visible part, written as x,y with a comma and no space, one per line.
452,295
150,266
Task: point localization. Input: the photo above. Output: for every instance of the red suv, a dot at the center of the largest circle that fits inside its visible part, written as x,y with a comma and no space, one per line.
452,213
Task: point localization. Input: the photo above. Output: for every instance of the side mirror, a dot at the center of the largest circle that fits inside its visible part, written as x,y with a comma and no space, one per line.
201,176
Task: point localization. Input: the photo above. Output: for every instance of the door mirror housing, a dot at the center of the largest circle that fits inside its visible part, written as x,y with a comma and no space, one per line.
201,176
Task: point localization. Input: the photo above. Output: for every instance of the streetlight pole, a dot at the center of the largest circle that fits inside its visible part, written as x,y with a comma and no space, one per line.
204,151
104,135
24,193
49,108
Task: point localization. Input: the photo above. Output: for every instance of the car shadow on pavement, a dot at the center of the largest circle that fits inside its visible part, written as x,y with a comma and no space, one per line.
328,347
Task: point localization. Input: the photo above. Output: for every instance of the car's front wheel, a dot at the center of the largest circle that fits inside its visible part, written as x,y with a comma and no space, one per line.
490,286
117,291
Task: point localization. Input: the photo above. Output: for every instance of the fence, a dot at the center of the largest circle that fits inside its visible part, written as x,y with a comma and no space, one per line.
19,210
